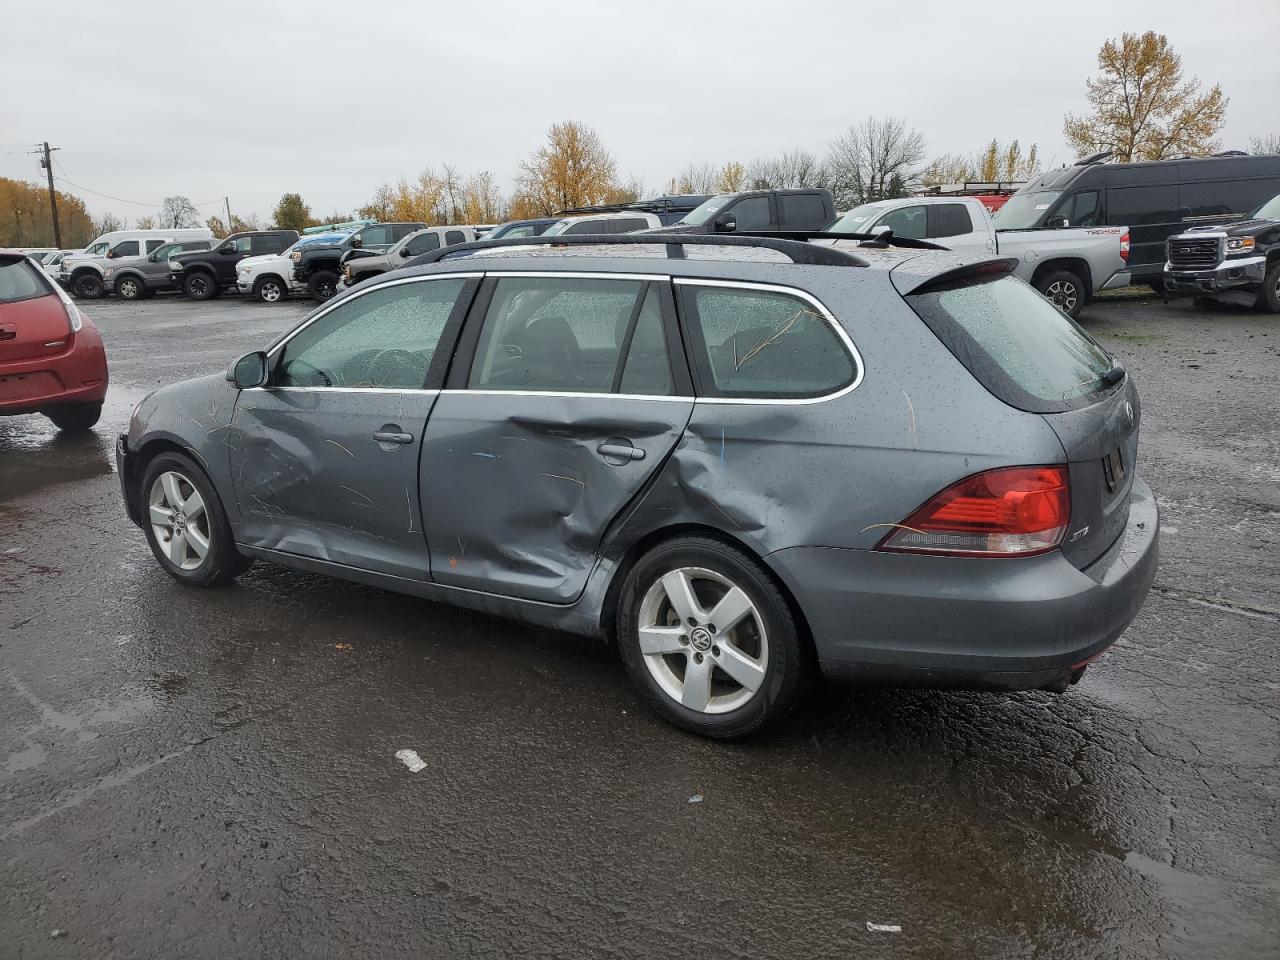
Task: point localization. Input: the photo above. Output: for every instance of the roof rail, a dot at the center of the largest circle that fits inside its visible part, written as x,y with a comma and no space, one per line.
883,238
804,253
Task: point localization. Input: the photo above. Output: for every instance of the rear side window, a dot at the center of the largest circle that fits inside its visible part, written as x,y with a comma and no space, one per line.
802,210
628,224
1135,206
952,220
454,236
1019,346
763,344
19,280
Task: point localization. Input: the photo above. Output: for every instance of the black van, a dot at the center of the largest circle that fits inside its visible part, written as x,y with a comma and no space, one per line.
1154,200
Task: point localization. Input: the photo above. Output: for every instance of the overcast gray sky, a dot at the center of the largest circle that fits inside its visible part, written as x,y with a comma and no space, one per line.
250,100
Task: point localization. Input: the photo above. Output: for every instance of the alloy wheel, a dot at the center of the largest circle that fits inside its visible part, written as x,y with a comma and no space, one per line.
270,291
179,520
703,640
129,289
1063,294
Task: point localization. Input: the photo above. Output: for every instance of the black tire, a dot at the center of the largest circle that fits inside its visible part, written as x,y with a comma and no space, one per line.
1063,289
221,562
787,658
200,286
87,286
1271,288
75,418
323,285
130,288
270,289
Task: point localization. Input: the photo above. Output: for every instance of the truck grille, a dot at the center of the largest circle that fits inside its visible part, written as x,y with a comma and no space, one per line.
1193,254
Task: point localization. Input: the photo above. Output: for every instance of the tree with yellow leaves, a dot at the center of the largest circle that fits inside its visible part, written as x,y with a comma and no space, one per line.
1142,108
572,170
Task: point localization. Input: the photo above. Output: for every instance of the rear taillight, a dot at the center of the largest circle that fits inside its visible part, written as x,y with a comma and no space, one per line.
74,316
1124,248
1009,512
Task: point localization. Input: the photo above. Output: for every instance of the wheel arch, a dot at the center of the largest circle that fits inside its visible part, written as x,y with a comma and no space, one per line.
677,531
137,464
1076,265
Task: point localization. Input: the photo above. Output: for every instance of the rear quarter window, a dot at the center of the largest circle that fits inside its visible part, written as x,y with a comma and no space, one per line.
1019,346
763,344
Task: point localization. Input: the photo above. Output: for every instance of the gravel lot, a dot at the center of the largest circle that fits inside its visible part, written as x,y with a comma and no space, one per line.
213,774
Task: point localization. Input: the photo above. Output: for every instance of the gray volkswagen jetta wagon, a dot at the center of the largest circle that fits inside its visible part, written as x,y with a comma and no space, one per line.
746,460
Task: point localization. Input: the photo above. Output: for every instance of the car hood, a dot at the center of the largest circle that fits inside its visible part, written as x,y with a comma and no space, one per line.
1241,228
260,260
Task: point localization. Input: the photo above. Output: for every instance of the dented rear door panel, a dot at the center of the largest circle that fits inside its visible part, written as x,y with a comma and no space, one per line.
517,494
312,479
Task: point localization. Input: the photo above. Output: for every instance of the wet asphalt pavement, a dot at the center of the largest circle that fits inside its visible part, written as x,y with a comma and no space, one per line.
213,774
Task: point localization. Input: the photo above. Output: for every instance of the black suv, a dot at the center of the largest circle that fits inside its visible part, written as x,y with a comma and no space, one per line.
320,265
207,273
807,209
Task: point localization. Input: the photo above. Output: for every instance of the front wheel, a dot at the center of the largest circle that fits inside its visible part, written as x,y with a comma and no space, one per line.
130,288
709,639
269,290
1271,288
200,286
87,286
185,524
323,284
1065,290
75,418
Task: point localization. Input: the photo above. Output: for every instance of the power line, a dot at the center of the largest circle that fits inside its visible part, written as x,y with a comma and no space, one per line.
136,203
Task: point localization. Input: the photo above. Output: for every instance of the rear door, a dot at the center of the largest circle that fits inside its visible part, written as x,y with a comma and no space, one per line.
325,459
563,400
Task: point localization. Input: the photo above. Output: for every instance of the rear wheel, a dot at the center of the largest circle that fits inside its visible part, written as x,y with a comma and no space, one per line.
709,639
1065,290
75,417
269,290
200,286
185,524
87,286
130,288
323,284
1271,288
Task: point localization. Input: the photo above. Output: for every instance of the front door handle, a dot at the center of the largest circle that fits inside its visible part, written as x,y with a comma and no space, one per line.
614,450
388,436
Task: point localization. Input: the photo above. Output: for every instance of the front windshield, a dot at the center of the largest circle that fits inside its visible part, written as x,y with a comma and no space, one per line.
1024,210
856,220
1268,211
705,210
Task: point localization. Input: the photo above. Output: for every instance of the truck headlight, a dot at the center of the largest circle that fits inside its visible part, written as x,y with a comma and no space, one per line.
1240,244
109,271
296,256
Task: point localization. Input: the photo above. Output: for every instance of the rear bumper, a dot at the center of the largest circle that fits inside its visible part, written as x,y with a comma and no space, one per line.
1228,275
77,375
968,622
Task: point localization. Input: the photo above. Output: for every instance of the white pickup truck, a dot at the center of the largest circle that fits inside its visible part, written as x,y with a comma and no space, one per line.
1068,265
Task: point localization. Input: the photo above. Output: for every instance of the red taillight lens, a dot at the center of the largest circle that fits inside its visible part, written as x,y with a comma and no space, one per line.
1124,248
1009,512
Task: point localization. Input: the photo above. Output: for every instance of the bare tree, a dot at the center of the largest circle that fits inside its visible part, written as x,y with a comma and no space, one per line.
178,212
877,158
791,169
108,223
695,178
1268,144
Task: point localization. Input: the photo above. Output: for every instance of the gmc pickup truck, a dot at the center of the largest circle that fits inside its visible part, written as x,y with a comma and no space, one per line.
1068,265
1242,256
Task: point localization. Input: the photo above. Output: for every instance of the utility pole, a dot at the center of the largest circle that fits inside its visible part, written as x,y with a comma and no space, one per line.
227,201
53,197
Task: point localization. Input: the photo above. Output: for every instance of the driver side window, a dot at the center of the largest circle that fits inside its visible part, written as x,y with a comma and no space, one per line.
382,339
906,222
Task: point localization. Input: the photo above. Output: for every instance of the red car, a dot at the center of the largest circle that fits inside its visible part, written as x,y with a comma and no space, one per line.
51,357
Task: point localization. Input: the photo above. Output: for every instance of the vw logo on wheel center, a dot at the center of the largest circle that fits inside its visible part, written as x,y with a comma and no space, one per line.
700,639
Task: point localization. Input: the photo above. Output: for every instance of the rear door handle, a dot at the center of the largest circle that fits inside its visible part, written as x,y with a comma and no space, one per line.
620,451
386,436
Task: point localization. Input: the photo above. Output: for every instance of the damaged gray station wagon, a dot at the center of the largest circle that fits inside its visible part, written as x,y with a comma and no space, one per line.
747,460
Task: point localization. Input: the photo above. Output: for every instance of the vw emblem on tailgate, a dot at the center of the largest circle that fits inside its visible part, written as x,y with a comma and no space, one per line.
1128,411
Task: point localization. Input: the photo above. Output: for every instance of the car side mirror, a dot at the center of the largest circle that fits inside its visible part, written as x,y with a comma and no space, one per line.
404,252
1057,222
249,371
357,242
726,223
230,248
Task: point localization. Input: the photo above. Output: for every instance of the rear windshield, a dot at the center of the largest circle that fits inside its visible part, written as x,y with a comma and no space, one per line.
1016,343
20,280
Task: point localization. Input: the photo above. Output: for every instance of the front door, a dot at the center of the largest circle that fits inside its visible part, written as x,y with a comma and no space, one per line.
563,401
325,458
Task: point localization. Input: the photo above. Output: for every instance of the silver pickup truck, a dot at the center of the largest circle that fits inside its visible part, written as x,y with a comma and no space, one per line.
1068,265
